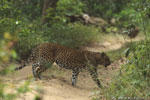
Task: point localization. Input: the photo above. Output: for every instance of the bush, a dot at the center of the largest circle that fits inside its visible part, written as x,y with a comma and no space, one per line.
133,79
69,7
128,16
104,8
29,35
64,9
30,32
72,35
6,54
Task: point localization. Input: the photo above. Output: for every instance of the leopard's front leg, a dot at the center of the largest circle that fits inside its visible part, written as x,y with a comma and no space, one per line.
93,72
75,74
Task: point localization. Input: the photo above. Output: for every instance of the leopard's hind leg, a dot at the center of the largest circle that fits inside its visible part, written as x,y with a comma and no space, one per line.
40,66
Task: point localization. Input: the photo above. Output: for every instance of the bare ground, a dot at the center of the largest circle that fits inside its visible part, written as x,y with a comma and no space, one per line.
57,84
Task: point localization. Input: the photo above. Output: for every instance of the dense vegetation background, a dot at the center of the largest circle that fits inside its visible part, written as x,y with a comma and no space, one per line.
26,23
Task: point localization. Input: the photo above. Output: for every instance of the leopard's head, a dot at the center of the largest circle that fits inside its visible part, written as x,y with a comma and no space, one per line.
102,59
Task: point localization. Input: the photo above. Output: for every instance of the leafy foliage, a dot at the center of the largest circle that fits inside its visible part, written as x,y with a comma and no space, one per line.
133,79
128,16
6,54
17,19
69,7
72,35
63,10
104,8
5,51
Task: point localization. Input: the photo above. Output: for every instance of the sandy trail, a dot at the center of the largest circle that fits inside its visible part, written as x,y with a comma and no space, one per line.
58,86
112,43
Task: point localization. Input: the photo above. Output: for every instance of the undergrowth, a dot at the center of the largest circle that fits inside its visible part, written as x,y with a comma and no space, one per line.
132,81
121,52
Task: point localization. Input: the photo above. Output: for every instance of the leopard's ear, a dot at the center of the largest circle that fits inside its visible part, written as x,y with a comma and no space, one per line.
102,54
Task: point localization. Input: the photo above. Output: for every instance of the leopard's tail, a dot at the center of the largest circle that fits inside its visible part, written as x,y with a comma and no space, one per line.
28,61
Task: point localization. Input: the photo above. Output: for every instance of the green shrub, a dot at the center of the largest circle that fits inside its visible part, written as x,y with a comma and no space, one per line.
29,35
133,78
69,7
72,35
64,9
7,22
31,32
128,16
104,8
6,54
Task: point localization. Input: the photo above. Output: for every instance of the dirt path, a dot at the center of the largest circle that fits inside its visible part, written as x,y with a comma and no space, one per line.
58,86
112,43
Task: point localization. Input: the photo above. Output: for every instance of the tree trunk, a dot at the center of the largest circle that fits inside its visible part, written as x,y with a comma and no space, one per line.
46,5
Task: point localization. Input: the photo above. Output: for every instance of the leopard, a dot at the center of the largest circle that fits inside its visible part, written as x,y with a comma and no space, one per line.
45,54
